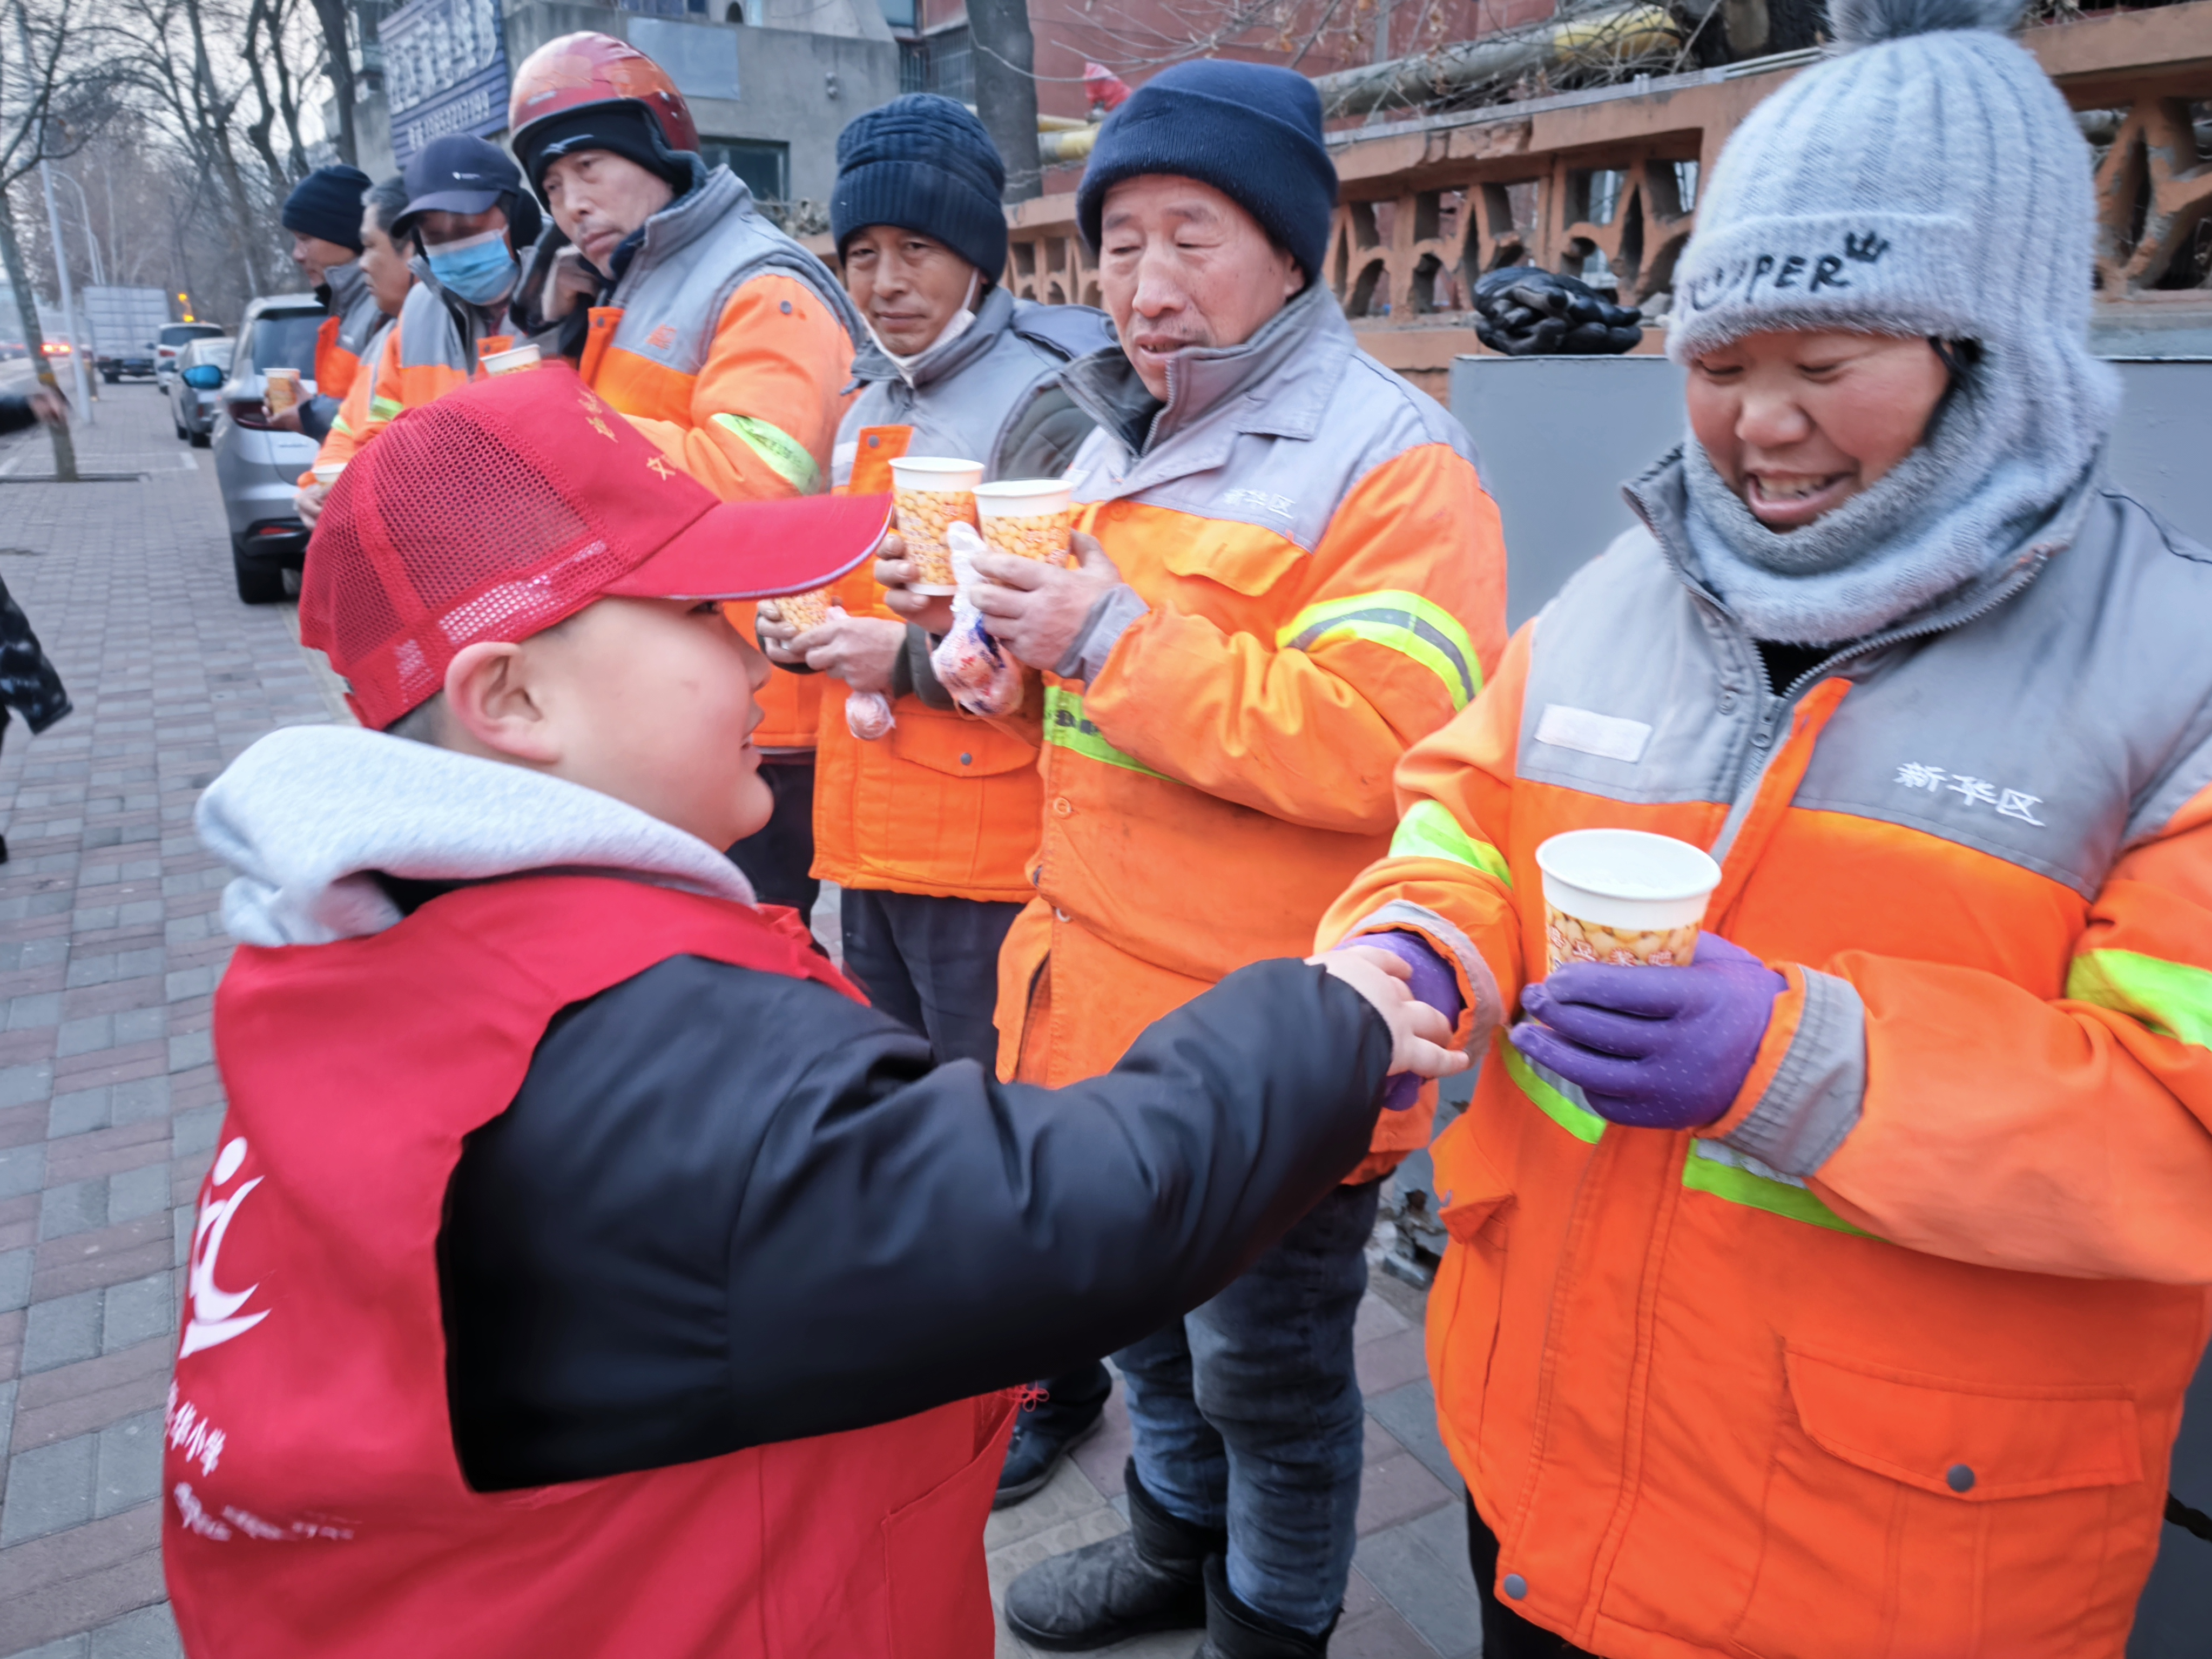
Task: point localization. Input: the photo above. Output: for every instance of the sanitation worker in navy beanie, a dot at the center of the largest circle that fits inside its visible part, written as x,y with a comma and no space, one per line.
585,1269
928,832
1288,573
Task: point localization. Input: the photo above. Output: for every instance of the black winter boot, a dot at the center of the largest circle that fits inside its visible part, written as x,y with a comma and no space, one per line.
1234,1631
1150,1578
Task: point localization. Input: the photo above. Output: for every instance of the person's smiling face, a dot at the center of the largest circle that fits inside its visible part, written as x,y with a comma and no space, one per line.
1797,423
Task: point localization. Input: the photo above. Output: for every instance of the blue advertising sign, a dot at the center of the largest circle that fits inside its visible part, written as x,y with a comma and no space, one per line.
445,70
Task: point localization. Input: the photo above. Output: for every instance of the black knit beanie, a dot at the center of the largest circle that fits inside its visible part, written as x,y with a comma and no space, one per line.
924,163
1251,130
623,126
327,204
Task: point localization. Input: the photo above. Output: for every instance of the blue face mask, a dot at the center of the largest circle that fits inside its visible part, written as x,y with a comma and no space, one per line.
476,269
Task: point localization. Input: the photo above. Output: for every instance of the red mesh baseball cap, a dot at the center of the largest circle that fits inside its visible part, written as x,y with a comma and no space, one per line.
510,505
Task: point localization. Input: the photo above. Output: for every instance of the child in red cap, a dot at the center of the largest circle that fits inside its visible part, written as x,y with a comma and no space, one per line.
585,1268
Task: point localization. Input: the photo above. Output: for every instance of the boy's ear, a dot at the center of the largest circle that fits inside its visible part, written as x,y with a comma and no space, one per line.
490,698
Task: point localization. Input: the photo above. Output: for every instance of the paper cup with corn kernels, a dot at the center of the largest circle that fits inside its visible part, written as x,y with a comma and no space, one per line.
1624,897
1028,518
932,494
805,610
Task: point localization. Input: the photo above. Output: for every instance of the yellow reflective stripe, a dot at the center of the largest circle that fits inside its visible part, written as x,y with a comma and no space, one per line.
1711,1168
1729,1176
338,424
1429,832
381,408
2170,998
784,454
1065,728
1576,1119
1404,623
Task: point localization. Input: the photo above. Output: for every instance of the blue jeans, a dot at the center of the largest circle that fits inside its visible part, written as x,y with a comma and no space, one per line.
1247,1413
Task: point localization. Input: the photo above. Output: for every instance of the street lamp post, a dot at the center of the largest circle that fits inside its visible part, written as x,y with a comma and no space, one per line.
91,241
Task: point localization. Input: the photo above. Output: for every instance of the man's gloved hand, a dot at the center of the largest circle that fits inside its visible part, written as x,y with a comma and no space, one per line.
1654,1048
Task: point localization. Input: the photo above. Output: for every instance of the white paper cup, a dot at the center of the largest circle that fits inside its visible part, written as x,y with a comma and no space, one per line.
326,473
933,493
1027,518
1624,897
508,362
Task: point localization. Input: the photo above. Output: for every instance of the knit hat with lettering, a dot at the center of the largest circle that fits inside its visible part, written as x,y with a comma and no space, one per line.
1925,181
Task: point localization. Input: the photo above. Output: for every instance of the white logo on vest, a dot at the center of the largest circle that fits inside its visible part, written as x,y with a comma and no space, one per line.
215,1318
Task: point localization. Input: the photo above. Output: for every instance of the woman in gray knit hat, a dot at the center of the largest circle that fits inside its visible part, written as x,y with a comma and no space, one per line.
1837,1294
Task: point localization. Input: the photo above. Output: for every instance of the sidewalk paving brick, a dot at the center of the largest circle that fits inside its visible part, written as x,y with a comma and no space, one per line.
109,951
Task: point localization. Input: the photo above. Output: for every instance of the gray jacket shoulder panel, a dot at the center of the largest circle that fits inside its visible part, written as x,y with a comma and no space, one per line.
1283,453
2070,720
977,412
697,253
1632,692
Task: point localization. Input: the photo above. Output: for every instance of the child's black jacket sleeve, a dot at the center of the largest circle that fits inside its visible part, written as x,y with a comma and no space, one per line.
728,1207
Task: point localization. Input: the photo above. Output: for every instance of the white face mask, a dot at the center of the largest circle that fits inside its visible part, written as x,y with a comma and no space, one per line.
961,321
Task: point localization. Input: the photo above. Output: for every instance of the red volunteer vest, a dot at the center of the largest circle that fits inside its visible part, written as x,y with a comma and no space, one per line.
313,1505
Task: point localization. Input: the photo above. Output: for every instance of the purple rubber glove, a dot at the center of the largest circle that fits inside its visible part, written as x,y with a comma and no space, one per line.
1433,982
1654,1048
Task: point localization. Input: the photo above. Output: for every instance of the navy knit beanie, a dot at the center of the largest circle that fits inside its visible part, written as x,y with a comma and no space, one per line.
924,163
1251,130
327,204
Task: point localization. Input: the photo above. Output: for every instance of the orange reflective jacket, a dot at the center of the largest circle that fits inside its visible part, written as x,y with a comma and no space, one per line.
730,346
429,351
1323,584
346,339
1890,1358
946,805
350,428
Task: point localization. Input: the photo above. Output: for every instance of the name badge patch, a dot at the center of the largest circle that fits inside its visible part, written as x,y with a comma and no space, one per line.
1586,731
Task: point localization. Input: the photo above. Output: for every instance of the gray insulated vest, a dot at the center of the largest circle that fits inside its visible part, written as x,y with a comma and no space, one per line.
697,252
2054,714
992,395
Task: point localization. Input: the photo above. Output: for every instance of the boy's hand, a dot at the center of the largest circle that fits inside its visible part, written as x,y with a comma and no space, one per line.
1418,1034
933,611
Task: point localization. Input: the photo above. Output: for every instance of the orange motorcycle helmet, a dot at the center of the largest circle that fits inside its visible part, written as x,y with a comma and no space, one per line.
577,71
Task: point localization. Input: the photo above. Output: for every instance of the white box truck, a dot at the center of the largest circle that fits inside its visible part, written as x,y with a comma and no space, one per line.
124,323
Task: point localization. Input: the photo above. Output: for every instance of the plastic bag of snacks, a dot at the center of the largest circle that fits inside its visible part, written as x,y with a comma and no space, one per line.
968,663
868,715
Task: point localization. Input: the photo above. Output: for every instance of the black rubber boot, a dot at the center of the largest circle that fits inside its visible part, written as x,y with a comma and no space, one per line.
1234,1631
1150,1578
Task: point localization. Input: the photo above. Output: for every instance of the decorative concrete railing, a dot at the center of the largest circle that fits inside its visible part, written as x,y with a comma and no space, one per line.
1604,183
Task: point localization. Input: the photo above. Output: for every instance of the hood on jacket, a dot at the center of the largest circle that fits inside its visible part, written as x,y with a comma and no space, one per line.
310,815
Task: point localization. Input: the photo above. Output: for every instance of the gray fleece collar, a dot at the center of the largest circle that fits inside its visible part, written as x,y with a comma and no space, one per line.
310,813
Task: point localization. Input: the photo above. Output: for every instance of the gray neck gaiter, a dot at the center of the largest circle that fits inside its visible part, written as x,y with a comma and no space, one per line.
1954,509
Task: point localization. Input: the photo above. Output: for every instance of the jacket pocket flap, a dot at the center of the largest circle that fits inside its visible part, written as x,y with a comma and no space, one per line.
955,746
1974,1440
1242,557
1469,1189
